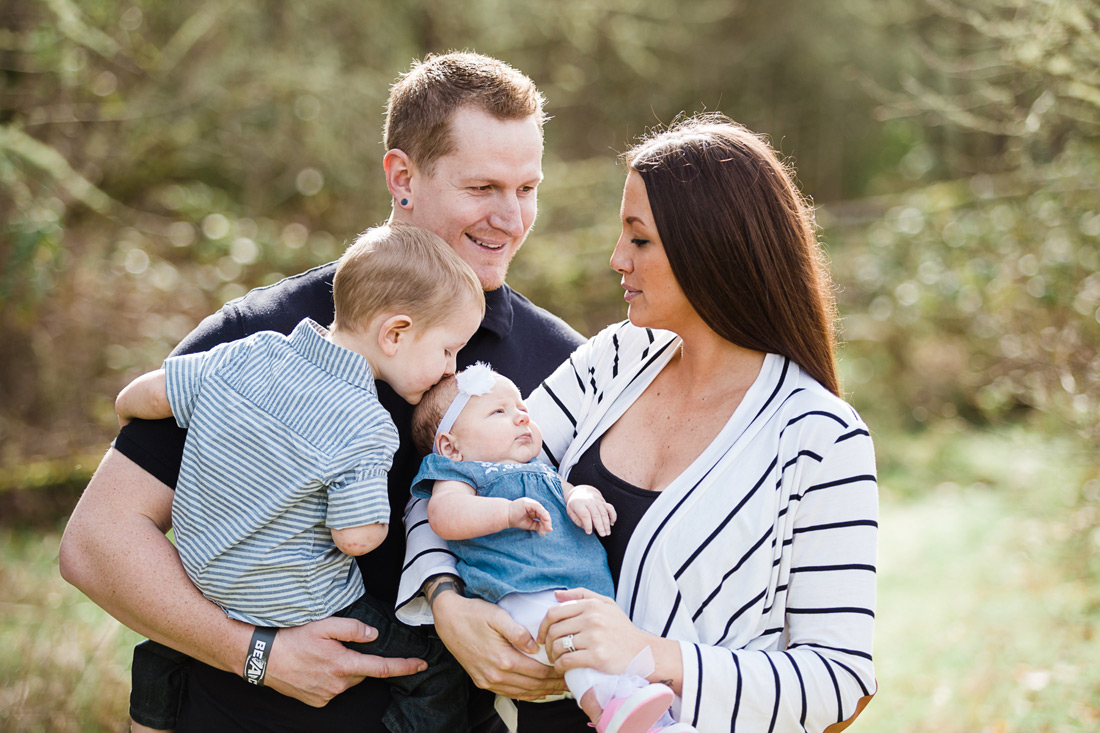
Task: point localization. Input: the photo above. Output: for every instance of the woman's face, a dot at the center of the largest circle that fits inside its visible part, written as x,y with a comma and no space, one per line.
654,297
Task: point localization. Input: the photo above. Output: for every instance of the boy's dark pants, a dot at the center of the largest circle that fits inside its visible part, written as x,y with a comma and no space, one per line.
432,700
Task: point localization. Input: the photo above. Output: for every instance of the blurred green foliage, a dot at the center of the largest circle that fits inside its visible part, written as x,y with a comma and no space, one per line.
158,159
978,296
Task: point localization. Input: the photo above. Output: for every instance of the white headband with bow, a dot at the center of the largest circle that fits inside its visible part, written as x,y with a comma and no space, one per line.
473,381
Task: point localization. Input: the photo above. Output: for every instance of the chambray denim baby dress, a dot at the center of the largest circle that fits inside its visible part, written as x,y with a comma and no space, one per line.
520,560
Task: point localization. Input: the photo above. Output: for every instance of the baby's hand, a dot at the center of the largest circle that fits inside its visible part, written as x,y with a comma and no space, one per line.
588,510
527,513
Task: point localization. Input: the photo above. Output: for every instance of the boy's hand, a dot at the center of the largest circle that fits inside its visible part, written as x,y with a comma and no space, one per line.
527,513
588,510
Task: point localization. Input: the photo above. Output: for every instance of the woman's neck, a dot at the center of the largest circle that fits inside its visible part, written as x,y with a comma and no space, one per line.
708,364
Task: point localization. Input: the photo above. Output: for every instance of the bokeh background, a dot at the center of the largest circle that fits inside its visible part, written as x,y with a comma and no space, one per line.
158,159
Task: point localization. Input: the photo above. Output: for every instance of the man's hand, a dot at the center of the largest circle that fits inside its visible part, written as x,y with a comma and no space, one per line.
309,662
484,639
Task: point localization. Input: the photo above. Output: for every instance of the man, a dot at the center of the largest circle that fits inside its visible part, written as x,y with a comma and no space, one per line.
464,141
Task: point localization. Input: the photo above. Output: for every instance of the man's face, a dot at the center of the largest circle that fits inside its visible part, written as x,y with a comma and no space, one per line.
482,197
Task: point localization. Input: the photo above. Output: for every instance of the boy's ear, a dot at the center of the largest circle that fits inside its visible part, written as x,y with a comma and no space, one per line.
447,446
399,175
394,330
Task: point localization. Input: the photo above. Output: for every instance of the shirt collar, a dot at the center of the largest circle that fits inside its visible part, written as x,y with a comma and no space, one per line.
308,339
498,311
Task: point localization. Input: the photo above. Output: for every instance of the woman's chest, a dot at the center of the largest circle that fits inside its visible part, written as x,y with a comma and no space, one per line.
655,440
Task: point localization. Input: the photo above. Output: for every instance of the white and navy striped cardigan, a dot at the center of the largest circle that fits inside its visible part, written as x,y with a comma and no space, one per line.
759,558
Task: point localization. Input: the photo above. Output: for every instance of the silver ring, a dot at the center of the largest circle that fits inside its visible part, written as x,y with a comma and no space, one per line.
568,644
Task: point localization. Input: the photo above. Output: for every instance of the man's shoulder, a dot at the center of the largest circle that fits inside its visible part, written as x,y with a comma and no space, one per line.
282,305
277,307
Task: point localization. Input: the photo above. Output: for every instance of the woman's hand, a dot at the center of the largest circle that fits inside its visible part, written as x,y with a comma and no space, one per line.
604,638
485,639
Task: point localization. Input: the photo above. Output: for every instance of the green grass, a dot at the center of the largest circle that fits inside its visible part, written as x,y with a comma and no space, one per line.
64,663
987,620
983,624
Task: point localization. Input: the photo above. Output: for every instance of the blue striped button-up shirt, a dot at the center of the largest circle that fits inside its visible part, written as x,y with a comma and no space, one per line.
286,439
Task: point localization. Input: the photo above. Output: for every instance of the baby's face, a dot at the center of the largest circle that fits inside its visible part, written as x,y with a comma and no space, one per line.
495,427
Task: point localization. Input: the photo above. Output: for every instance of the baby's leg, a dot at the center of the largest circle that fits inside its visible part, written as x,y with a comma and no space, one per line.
632,703
528,610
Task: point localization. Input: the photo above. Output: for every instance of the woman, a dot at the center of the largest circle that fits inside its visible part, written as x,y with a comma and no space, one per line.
744,551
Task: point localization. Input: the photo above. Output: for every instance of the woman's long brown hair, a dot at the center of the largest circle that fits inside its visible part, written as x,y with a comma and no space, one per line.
741,241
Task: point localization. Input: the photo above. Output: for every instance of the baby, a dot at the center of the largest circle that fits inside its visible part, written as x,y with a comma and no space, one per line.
518,531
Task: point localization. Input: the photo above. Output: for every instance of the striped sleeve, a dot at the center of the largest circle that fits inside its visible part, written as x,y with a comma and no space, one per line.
360,494
184,376
426,555
824,671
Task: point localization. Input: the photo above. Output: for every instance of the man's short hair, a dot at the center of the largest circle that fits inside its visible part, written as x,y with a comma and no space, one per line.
423,101
401,268
430,411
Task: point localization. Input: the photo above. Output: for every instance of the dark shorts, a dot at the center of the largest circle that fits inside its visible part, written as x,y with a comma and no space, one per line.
432,700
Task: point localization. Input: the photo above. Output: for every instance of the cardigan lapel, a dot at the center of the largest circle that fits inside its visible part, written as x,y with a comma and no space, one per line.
641,567
619,395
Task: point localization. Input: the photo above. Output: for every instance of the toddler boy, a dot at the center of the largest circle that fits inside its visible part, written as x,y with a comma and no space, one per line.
284,470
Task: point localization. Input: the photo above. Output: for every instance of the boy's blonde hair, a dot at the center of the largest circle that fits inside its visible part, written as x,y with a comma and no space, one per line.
401,268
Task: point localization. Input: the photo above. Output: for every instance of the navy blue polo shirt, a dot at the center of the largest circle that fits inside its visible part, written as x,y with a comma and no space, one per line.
519,339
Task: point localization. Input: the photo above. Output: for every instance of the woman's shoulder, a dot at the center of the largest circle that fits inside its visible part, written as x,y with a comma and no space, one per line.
807,400
623,342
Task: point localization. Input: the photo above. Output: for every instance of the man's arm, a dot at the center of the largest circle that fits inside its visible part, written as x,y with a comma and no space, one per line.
115,550
146,397
484,639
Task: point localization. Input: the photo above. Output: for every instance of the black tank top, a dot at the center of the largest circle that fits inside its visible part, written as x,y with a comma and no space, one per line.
630,503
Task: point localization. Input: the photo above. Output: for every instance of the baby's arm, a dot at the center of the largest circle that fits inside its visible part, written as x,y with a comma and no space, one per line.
359,540
146,397
456,512
587,508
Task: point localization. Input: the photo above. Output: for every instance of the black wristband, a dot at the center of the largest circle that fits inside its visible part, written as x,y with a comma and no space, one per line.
255,666
454,584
